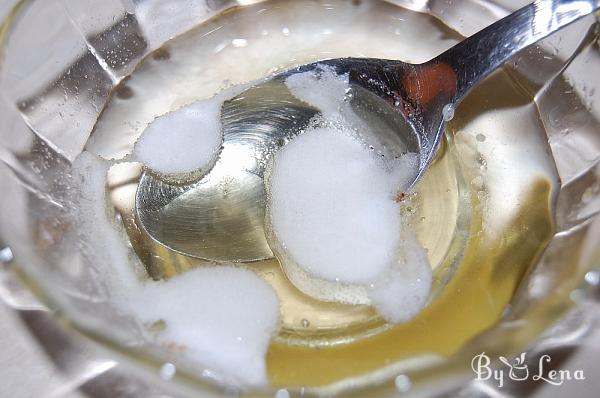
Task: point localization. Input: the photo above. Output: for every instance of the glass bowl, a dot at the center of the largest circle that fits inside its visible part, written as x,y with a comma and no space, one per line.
82,74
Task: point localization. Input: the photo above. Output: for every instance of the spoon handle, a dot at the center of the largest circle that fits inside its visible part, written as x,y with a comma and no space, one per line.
479,55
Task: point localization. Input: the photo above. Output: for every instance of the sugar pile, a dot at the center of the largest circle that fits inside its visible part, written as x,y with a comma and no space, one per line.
308,87
332,217
401,292
337,186
184,141
102,242
220,318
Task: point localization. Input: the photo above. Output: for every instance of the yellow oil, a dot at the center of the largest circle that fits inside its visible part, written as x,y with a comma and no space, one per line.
483,210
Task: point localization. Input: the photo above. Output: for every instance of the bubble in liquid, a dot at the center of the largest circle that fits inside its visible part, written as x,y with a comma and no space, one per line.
577,295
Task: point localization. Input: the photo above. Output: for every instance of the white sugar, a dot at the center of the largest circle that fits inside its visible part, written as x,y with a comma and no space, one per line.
332,216
401,292
321,88
184,141
222,318
332,207
103,243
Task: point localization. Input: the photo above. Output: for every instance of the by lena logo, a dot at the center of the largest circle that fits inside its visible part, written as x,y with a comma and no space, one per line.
518,370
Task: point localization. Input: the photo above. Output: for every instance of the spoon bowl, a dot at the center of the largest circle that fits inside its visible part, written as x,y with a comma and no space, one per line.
221,216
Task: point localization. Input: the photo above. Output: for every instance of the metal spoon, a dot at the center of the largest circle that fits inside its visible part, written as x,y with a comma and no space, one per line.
428,93
221,216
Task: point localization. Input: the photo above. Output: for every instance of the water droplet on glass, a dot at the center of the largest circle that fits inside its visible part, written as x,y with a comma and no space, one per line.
448,112
239,42
6,255
283,393
402,383
592,277
167,371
